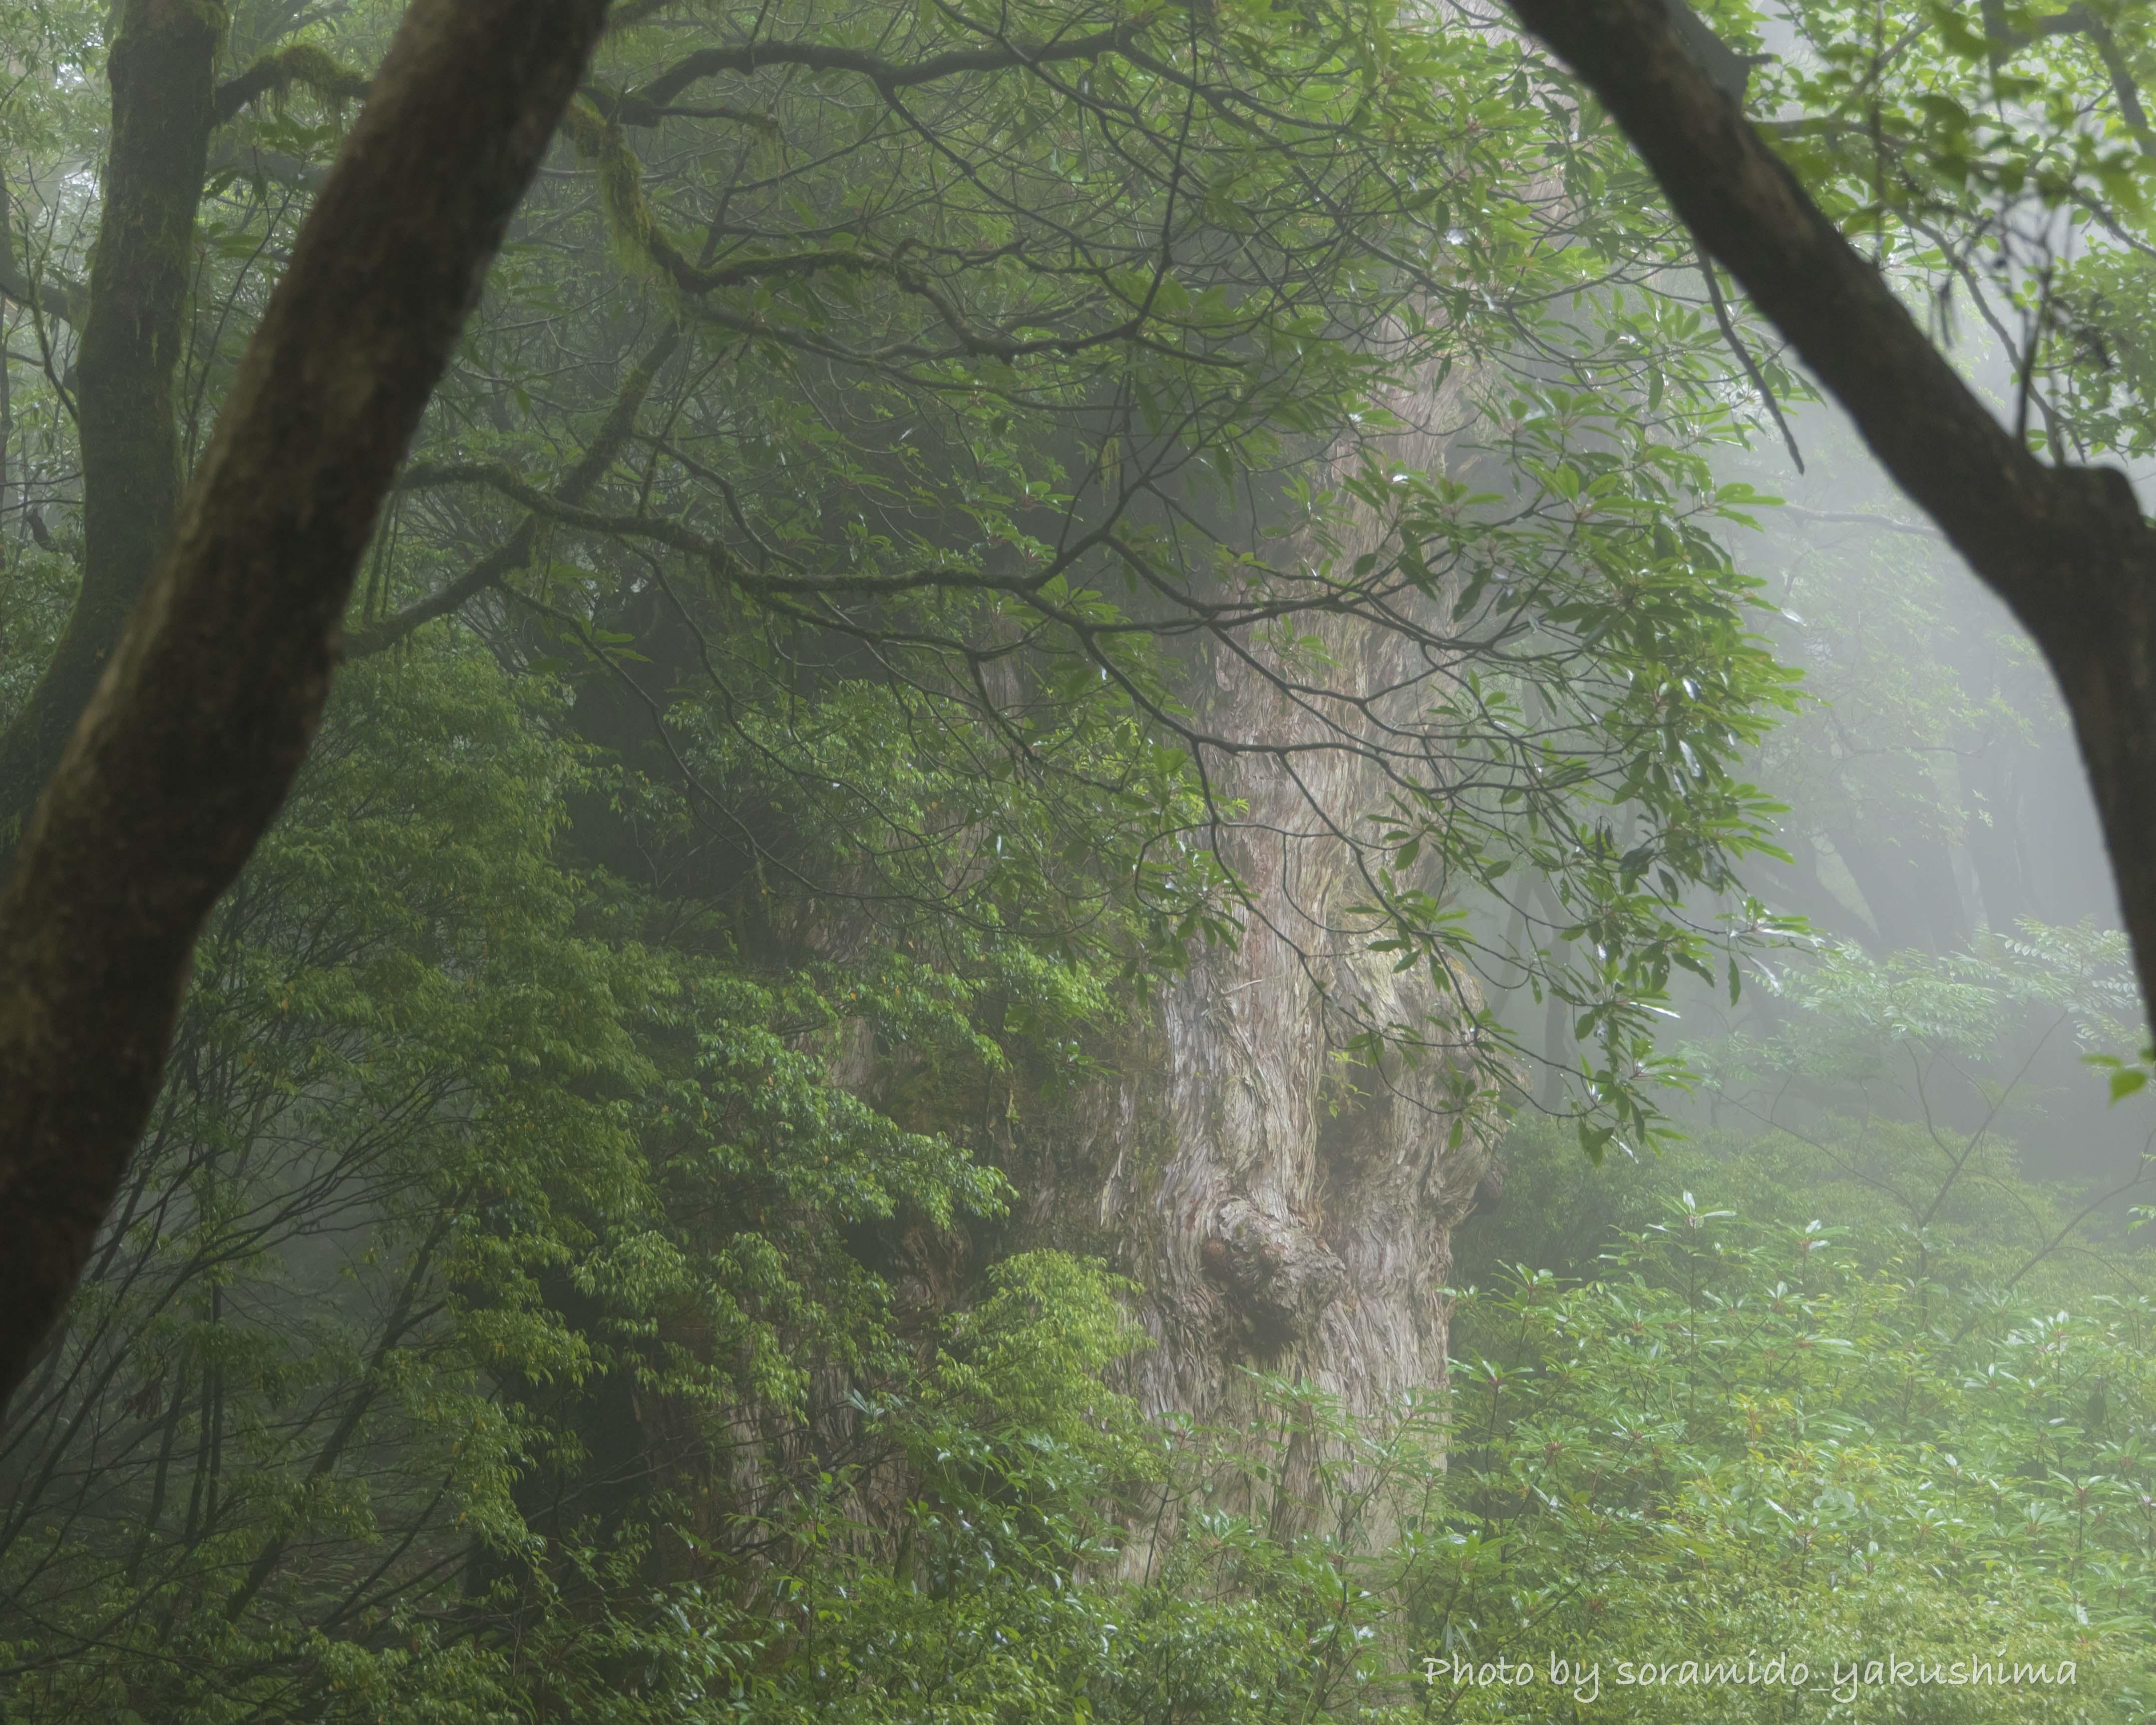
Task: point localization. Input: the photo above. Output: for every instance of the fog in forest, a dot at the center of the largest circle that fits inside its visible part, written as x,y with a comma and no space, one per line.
945,865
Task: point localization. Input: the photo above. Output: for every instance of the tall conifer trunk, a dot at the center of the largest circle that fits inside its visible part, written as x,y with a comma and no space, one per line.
162,67
1287,1208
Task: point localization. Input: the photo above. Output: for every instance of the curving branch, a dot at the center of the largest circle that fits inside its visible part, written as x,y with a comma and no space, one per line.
646,103
637,227
515,552
276,75
1736,344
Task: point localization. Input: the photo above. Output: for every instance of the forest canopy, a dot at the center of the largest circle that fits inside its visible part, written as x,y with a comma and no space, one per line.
1142,881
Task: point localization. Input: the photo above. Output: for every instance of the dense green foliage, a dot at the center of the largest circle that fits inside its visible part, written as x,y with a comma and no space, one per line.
916,475
890,464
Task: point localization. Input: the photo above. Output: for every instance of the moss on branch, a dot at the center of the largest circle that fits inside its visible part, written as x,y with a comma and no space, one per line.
302,66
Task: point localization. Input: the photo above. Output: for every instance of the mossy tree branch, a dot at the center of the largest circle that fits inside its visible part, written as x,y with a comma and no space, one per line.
276,75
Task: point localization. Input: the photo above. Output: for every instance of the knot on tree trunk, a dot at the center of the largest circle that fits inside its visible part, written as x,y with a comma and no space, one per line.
1276,1273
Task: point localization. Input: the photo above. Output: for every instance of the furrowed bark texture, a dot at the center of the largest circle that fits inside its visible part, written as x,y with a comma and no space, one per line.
1284,1211
2066,547
188,746
162,68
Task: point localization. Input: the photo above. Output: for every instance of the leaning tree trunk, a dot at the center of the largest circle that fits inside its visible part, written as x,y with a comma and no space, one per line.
2067,547
211,699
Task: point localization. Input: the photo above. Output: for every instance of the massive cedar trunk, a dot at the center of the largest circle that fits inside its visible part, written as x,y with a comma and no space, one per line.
1282,1210
212,697
1287,1209
162,67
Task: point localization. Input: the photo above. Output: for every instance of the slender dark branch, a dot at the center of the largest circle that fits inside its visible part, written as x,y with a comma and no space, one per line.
641,107
514,553
1744,358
